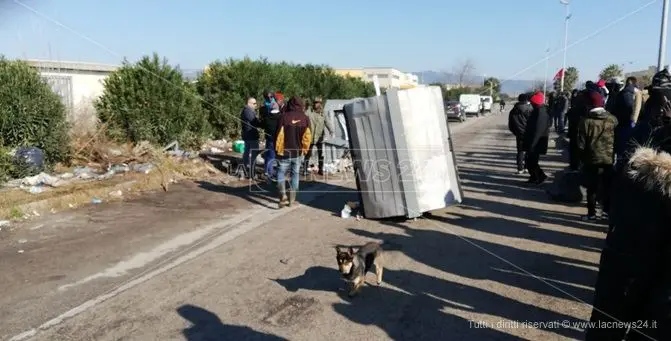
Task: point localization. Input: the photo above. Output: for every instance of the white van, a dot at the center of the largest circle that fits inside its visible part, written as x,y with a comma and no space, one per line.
471,103
488,101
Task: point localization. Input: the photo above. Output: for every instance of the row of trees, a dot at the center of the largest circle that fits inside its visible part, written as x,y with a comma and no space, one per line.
572,75
151,100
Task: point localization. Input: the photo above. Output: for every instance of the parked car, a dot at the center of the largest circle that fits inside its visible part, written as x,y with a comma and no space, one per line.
454,110
471,103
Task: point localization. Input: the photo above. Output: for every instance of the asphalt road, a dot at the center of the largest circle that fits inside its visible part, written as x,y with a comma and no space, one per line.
207,261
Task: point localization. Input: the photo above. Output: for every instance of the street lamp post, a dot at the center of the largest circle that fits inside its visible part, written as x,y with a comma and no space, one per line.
568,16
662,36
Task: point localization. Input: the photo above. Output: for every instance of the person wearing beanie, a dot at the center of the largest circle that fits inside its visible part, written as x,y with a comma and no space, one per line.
517,124
634,279
596,143
536,138
603,90
279,98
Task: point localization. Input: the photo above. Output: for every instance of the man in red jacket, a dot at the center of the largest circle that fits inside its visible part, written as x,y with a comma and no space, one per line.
292,143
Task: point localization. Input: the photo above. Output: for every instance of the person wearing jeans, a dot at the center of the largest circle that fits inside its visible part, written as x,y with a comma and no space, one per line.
293,166
292,142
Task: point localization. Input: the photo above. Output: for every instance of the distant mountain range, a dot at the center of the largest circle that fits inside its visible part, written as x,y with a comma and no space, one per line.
511,87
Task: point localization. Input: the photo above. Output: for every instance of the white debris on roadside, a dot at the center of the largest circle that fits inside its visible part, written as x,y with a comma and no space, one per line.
347,210
42,179
116,194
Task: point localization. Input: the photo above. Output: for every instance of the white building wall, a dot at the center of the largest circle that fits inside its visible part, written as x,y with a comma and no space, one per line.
85,88
390,77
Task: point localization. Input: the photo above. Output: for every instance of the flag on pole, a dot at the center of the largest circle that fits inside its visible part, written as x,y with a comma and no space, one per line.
559,74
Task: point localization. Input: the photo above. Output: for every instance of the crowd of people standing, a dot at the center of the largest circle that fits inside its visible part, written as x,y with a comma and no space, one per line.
291,130
620,145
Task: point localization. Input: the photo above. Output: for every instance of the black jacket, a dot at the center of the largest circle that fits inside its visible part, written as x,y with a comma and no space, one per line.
538,131
624,105
634,281
518,117
270,125
250,124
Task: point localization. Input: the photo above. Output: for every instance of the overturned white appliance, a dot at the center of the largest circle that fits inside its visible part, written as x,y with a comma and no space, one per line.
402,152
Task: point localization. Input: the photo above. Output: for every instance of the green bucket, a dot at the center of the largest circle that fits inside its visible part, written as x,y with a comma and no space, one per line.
239,146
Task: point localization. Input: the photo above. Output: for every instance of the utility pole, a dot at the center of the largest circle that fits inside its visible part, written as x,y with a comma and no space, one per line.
568,16
662,36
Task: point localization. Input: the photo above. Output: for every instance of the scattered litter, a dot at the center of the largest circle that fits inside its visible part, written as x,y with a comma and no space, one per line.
346,212
144,168
106,176
215,150
96,201
174,145
119,168
67,176
21,251
4,223
71,205
84,173
23,241
116,194
35,213
42,179
35,189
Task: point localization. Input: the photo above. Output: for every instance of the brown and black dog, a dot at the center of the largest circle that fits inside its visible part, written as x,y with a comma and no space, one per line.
354,266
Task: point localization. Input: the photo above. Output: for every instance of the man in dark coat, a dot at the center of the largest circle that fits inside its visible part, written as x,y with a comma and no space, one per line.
576,112
634,282
536,138
269,121
517,123
250,134
623,107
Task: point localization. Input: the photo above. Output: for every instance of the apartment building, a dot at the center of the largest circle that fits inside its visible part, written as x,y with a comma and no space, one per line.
387,77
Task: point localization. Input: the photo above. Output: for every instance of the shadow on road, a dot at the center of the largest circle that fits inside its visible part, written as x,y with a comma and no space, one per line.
331,197
418,310
208,327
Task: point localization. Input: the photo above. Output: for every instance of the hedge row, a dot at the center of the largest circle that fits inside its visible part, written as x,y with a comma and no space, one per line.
151,100
30,115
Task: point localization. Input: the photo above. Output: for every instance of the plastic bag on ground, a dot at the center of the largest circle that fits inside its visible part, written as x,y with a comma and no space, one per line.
42,179
31,158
